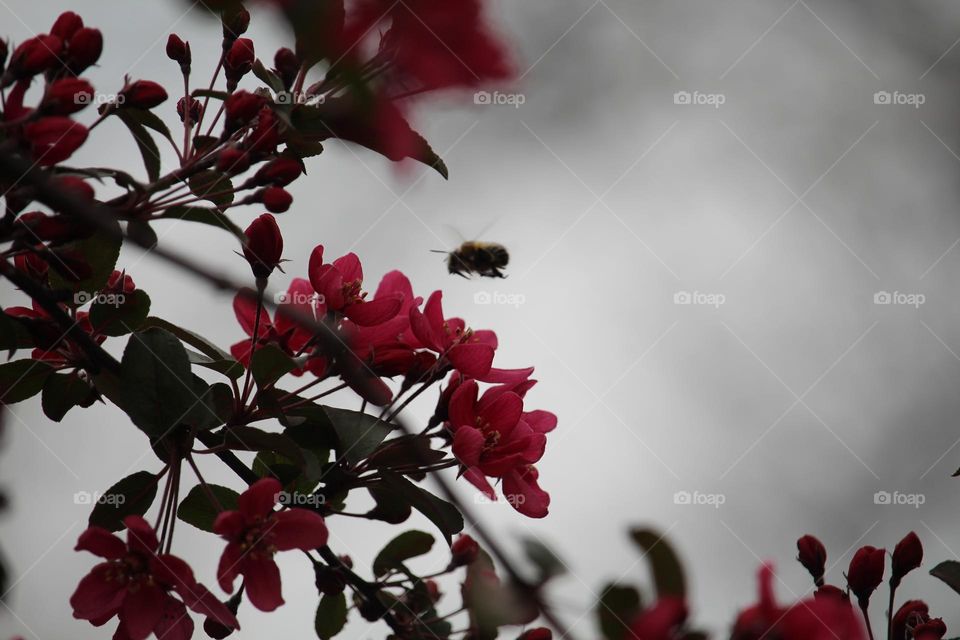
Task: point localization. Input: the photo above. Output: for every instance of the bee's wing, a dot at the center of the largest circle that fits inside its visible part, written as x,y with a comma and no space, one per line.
455,233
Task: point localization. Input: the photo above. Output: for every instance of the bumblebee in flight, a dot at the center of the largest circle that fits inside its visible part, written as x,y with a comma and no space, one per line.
486,259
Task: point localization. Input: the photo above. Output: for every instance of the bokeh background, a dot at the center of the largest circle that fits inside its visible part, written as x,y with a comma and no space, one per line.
786,193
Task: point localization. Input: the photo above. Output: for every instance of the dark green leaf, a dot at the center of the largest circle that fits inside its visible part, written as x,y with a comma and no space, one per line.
331,615
548,564
142,233
409,544
667,571
13,334
145,143
616,609
252,439
492,603
440,512
405,452
22,379
150,120
359,433
390,506
268,77
132,496
210,93
196,341
269,363
117,314
196,508
100,251
213,186
157,385
62,392
949,573
227,366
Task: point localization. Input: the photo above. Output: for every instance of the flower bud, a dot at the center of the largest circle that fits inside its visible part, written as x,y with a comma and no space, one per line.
195,109
232,160
54,139
66,96
179,52
287,66
279,172
433,590
907,556
264,246
120,282
235,23
239,60
266,133
240,109
78,187
142,94
3,53
866,572
276,199
813,556
35,55
84,50
67,24
463,551
537,633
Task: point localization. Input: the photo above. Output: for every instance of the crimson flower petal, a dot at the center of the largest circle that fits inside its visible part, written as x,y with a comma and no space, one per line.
262,581
374,312
468,445
97,594
175,623
141,611
102,543
229,567
140,535
540,421
260,498
349,267
472,359
229,524
524,494
461,406
298,529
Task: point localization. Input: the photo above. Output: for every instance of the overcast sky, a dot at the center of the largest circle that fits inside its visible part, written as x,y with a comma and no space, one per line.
735,155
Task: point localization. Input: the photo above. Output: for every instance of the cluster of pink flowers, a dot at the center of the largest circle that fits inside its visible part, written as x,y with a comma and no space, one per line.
396,334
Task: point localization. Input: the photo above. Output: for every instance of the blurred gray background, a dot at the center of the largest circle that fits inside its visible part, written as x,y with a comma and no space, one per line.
785,192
